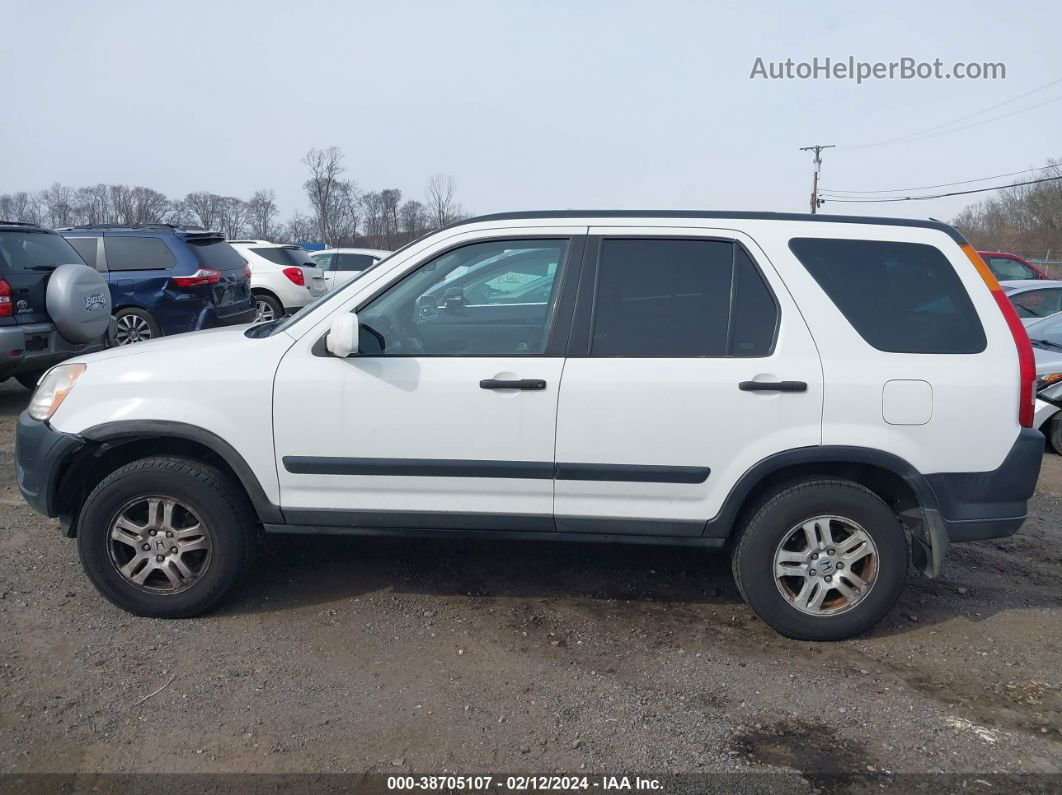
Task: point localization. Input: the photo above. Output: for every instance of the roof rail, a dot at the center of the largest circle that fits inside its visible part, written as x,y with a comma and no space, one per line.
20,223
159,226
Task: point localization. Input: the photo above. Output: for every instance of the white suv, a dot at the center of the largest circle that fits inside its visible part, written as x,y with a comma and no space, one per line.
794,389
283,277
340,265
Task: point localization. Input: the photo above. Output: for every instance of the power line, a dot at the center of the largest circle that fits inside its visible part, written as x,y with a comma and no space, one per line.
918,135
943,195
943,184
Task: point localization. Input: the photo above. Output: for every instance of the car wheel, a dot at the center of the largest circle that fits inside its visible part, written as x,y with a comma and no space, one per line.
135,325
268,308
165,537
29,380
1054,432
822,560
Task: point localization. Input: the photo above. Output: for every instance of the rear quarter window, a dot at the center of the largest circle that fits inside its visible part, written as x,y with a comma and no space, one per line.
899,297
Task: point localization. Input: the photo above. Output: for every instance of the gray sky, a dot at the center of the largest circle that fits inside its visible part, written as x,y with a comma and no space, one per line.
528,104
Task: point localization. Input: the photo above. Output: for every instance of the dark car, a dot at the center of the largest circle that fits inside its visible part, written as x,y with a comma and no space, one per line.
46,317
167,279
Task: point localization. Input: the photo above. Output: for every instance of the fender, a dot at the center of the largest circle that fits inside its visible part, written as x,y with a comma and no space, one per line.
141,429
928,531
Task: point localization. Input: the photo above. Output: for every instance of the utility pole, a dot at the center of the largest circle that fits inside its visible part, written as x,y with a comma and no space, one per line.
817,149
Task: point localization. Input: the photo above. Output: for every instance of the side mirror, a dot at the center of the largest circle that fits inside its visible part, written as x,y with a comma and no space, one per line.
342,339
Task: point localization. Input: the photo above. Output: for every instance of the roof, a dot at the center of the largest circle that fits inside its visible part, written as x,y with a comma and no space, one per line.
1021,285
928,223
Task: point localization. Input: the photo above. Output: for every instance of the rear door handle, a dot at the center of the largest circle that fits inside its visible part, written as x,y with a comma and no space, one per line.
773,386
531,384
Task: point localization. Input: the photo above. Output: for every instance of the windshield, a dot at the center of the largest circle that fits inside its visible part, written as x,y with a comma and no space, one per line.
1048,330
30,251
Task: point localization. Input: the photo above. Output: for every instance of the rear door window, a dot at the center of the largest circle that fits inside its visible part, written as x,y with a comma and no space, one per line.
353,262
137,254
1007,269
899,297
86,247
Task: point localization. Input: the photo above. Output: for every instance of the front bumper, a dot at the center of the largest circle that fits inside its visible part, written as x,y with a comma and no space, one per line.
40,452
37,346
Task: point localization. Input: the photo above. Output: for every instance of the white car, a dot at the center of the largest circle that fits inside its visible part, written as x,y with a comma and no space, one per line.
1034,299
340,265
793,389
283,277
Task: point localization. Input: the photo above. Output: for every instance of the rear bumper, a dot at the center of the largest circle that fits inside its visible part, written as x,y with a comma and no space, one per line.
978,505
37,346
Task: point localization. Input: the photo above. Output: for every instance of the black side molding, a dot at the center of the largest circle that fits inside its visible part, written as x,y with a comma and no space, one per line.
773,386
456,468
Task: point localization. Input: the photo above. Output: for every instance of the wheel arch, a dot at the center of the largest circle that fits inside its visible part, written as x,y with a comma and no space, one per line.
113,444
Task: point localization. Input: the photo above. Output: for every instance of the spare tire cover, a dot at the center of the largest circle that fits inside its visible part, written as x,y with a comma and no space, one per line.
79,302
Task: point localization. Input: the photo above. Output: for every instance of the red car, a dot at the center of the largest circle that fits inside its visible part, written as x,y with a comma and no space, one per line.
1010,267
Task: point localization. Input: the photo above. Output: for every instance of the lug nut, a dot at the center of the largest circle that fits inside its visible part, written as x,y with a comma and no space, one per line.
169,534
146,547
812,572
173,550
829,578
159,558
830,551
840,566
154,532
814,555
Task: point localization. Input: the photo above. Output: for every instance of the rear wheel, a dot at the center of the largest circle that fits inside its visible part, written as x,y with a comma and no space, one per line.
268,308
165,537
135,325
822,560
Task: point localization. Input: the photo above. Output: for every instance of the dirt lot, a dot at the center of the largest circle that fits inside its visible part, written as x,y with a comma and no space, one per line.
344,655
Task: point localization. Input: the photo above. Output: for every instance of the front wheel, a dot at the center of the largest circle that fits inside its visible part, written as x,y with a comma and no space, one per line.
165,537
822,560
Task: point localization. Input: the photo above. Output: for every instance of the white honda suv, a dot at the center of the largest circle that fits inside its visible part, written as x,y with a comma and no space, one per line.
283,277
792,389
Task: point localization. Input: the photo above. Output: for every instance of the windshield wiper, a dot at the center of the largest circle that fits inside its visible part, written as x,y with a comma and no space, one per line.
1047,343
42,268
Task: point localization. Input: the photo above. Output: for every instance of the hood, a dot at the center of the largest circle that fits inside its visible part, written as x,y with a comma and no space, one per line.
205,339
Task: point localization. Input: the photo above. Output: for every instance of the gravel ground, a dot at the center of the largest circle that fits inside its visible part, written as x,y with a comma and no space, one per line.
391,656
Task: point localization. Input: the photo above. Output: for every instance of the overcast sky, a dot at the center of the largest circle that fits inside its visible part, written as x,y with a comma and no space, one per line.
527,104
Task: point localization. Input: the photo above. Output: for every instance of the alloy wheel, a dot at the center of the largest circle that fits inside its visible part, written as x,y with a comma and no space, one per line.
826,565
159,545
132,328
264,312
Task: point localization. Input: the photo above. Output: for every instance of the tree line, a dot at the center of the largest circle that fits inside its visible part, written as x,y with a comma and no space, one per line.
1022,219
340,213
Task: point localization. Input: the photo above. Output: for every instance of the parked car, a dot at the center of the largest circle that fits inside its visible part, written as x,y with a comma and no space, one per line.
711,380
166,279
52,305
1046,338
1011,267
1034,298
343,264
283,277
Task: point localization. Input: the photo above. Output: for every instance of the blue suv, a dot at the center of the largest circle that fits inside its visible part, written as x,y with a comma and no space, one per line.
166,279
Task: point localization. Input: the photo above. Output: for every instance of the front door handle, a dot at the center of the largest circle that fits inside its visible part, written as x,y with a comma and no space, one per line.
532,384
773,386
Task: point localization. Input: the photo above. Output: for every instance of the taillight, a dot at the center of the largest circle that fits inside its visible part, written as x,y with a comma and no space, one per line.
295,274
1026,361
247,271
6,310
201,276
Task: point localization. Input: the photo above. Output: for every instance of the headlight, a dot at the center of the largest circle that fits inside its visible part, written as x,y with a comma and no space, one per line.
52,389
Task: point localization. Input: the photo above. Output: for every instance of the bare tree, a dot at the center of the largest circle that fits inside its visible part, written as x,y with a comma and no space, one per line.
232,216
443,208
93,204
261,215
374,218
299,228
413,220
59,201
202,208
326,166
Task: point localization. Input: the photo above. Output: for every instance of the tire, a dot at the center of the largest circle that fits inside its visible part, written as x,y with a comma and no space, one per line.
1053,431
135,325
29,380
268,308
209,505
842,509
